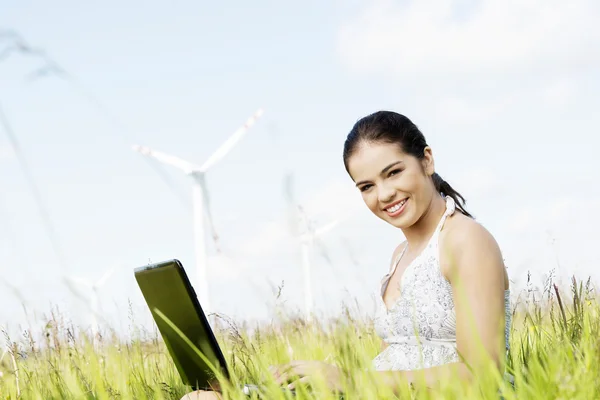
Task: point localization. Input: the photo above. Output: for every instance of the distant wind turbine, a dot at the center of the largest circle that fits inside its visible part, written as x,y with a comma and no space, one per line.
92,289
309,237
201,200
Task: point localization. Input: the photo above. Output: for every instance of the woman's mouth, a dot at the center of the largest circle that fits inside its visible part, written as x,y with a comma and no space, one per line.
397,208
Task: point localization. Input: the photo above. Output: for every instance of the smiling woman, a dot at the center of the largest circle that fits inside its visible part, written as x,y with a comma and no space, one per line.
443,308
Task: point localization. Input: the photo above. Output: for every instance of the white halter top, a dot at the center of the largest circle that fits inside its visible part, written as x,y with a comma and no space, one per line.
420,326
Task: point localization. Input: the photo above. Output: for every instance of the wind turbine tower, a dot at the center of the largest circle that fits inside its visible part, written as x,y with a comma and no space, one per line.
91,288
309,237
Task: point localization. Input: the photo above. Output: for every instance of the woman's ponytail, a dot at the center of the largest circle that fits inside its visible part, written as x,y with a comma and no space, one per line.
444,187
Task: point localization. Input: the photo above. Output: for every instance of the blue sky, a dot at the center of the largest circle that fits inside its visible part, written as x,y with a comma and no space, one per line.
508,104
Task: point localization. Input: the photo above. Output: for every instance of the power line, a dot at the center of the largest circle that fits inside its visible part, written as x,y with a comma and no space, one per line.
44,214
52,68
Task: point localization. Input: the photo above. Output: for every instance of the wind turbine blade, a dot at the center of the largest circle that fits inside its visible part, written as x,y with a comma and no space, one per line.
326,228
162,173
323,251
291,208
288,187
71,285
79,281
105,277
231,142
168,159
207,209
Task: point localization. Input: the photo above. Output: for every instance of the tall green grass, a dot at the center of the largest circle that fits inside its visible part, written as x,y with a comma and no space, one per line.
555,354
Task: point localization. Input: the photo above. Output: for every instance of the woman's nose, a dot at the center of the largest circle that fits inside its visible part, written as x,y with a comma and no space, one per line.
386,194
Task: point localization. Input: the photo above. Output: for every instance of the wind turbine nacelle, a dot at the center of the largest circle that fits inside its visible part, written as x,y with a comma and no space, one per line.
142,149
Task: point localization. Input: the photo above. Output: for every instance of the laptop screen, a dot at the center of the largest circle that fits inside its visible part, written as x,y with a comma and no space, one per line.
169,294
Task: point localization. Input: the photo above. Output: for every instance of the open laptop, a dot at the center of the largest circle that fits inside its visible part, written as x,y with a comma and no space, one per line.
177,312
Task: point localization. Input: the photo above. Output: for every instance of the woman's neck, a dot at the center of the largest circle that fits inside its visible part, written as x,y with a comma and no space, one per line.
420,232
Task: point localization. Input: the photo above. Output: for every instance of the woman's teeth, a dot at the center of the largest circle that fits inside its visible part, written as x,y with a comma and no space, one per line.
396,207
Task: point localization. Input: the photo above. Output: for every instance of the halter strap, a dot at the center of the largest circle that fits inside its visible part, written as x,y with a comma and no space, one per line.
450,208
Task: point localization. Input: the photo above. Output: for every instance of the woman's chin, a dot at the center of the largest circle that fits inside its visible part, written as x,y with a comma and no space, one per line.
400,221
400,224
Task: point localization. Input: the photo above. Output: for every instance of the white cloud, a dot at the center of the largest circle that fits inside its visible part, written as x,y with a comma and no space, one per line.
477,107
560,93
471,63
424,39
460,110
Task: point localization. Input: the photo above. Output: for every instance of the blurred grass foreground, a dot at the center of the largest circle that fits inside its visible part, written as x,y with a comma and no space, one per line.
555,354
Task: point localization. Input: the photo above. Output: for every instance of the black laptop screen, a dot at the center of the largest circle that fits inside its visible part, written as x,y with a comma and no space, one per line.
166,287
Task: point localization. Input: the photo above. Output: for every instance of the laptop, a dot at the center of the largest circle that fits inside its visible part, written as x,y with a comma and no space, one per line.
183,325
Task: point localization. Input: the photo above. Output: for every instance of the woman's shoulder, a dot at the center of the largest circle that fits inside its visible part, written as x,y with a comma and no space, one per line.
460,231
466,243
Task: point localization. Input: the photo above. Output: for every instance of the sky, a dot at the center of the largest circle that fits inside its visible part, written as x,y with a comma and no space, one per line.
505,92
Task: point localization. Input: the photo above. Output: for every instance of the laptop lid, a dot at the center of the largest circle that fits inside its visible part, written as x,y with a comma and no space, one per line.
169,295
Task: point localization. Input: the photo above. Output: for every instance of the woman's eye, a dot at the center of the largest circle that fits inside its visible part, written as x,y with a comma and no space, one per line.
394,172
365,187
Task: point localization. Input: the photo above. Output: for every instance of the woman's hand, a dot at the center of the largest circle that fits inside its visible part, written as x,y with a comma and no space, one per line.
304,372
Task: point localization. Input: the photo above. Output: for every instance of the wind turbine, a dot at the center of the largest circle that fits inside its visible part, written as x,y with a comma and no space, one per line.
92,289
309,237
201,200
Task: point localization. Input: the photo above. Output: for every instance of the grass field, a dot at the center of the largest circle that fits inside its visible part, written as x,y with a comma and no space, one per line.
555,354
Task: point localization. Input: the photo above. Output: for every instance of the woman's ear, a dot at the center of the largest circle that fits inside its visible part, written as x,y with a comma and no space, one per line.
428,162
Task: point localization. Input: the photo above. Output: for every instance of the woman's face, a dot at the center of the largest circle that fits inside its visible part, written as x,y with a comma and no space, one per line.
396,186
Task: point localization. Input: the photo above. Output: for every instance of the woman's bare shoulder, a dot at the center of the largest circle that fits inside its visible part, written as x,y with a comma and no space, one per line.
467,244
461,231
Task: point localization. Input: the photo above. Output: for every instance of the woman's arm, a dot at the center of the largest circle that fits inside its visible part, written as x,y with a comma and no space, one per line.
477,276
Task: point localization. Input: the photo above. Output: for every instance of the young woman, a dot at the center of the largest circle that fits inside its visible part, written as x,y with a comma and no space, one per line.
443,308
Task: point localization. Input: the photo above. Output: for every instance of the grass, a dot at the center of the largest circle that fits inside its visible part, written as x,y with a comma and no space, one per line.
555,353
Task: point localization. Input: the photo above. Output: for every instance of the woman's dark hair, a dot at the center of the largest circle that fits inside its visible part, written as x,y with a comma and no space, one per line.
394,128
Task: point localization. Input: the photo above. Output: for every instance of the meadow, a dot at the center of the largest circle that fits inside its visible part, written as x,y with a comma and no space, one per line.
555,354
